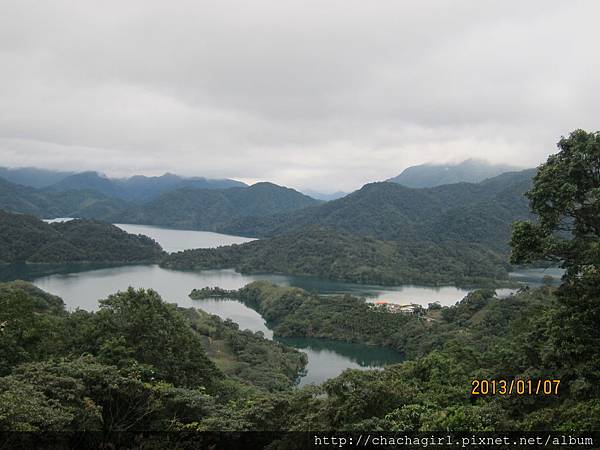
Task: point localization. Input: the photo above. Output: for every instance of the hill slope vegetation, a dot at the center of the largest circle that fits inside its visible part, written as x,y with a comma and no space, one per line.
479,213
48,203
337,255
25,238
214,209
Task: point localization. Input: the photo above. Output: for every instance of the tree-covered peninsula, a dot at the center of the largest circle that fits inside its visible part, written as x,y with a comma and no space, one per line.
27,239
335,255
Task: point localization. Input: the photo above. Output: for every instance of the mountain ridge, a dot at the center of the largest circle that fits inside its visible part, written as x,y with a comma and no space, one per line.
390,211
139,188
432,175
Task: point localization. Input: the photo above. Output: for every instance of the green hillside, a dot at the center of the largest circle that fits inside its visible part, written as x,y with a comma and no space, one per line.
47,203
336,255
213,209
471,212
25,238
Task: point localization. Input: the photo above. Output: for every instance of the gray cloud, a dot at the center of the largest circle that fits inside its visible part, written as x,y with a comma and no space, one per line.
321,94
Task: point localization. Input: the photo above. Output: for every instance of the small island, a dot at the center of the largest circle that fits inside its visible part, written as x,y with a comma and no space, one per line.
213,292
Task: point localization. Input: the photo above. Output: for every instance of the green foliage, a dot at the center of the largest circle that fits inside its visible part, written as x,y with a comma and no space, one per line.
339,256
383,233
566,198
137,325
23,407
247,356
136,364
480,213
27,239
51,203
473,325
25,334
119,384
213,209
293,312
88,395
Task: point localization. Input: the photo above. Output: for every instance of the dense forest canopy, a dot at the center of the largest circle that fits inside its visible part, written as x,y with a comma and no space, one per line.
566,198
226,379
137,363
389,211
212,209
335,255
25,238
48,203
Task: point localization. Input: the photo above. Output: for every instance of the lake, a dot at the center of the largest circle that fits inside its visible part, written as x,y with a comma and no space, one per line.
80,286
179,240
326,359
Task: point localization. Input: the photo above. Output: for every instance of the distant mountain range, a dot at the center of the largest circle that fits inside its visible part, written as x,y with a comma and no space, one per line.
392,233
135,188
139,187
431,175
33,177
49,203
384,233
192,208
471,212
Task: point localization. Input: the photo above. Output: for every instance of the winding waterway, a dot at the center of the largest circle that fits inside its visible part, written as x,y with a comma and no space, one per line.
82,286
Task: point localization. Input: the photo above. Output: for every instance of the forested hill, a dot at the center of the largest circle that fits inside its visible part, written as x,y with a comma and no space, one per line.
214,209
25,238
336,255
480,213
430,175
194,208
46,203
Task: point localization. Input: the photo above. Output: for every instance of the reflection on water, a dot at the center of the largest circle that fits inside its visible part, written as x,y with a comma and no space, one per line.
245,317
535,277
421,295
326,356
77,282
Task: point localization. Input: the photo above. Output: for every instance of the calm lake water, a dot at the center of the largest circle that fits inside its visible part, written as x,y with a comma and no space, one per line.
178,240
82,286
326,359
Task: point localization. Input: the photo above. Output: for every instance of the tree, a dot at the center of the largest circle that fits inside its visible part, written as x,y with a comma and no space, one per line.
139,325
566,198
25,334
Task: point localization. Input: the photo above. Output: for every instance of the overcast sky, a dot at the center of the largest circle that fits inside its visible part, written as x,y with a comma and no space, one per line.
314,94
